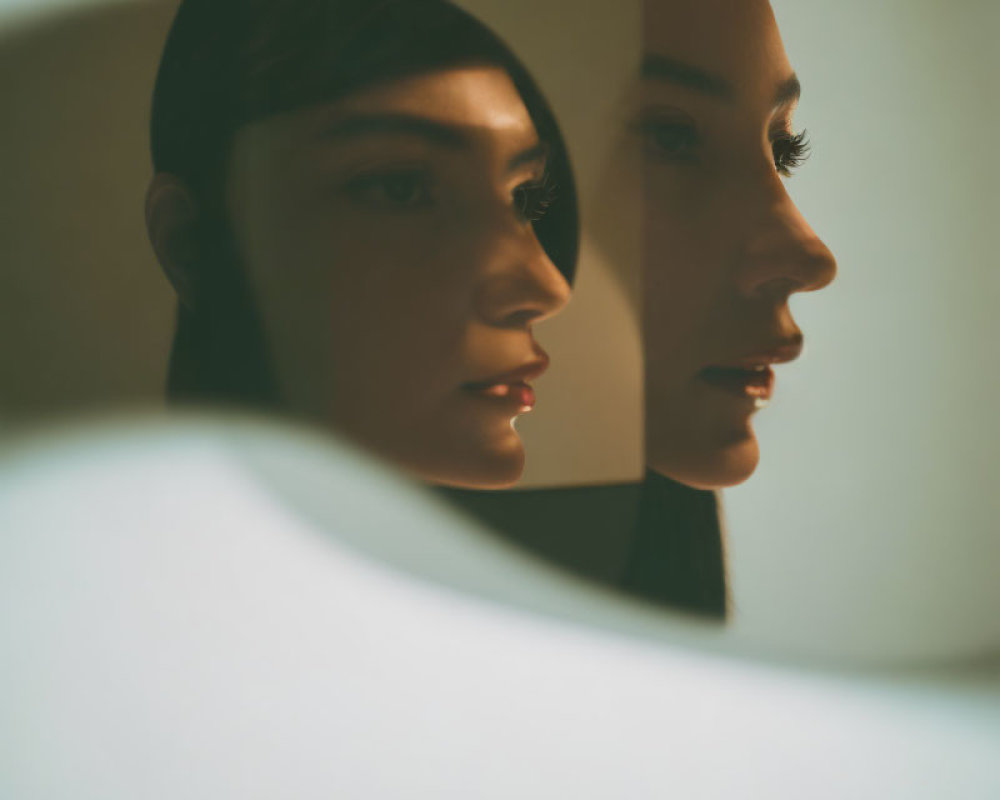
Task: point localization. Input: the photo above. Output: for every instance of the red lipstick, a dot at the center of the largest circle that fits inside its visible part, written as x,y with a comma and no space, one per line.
518,394
512,388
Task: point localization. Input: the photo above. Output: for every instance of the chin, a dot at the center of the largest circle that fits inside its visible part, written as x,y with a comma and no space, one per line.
491,465
717,467
488,473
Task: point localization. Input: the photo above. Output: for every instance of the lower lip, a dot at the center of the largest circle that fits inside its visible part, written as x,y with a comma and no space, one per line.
517,396
756,386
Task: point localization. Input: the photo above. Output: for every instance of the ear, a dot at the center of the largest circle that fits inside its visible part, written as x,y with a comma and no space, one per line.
172,227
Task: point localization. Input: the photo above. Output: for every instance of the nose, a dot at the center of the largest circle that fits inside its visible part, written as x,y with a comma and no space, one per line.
522,286
783,254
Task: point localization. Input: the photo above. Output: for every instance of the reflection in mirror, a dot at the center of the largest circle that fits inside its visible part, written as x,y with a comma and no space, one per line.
364,209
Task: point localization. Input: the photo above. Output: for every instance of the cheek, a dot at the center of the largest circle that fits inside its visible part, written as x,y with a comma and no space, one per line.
391,294
397,281
677,228
689,241
677,283
364,265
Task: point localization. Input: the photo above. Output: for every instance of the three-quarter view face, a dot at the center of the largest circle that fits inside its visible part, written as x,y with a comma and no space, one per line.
389,239
724,245
360,245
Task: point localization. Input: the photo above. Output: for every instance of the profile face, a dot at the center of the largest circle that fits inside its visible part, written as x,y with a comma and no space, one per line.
388,240
724,246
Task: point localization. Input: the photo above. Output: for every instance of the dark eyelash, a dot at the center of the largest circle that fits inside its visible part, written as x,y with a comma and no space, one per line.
532,200
790,151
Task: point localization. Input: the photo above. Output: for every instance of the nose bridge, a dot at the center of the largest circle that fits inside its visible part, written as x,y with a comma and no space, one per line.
782,253
520,285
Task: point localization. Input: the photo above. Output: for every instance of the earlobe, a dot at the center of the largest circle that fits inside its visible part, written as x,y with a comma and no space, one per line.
172,225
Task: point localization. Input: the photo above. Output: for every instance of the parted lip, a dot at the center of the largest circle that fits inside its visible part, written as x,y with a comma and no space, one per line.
779,352
522,374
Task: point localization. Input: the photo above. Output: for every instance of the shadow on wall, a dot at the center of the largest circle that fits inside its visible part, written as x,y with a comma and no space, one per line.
85,315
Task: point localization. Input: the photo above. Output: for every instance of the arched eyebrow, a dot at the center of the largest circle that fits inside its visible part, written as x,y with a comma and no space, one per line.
440,134
688,76
360,125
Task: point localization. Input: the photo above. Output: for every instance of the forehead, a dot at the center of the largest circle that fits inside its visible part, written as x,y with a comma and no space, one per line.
480,97
736,39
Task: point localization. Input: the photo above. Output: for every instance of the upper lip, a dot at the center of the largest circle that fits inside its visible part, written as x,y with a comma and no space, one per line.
522,374
775,353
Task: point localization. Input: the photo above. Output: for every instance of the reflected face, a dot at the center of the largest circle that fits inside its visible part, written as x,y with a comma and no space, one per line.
724,246
388,239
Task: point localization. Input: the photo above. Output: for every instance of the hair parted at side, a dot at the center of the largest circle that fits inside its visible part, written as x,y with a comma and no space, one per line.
227,63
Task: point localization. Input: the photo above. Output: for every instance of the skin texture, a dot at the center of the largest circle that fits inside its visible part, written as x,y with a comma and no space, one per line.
724,246
392,267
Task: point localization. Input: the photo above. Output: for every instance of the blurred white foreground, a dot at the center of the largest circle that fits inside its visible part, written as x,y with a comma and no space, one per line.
198,609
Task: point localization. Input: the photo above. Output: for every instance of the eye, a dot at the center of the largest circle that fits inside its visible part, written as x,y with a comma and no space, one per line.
533,199
669,138
392,190
790,151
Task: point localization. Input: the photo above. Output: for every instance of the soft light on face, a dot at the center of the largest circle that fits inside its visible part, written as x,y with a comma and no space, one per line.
724,246
388,238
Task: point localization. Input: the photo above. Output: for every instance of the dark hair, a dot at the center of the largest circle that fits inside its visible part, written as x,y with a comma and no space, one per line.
227,63
677,555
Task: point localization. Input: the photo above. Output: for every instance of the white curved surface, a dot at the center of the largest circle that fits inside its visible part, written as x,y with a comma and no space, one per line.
176,623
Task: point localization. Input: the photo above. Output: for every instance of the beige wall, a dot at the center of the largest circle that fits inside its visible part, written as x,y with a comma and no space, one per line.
85,316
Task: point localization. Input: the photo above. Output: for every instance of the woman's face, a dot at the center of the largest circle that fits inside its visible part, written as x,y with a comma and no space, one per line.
388,239
724,246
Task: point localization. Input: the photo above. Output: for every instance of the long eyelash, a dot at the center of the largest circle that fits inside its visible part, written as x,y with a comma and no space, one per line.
790,151
534,199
